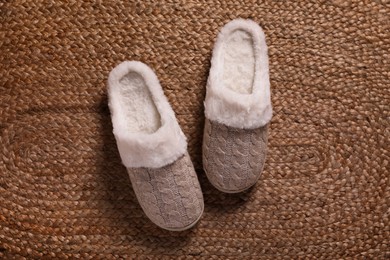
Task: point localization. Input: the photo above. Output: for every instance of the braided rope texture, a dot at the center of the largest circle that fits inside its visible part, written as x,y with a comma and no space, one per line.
325,189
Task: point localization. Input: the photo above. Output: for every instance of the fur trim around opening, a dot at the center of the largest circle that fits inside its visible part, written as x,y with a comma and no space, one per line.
139,149
223,105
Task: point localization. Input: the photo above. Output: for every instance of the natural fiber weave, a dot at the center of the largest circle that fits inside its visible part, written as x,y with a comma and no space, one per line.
325,189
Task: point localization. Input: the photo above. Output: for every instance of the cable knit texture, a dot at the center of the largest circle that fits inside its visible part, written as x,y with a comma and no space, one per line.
233,158
170,196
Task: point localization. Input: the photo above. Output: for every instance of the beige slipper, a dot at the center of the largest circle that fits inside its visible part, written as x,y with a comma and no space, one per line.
153,148
237,107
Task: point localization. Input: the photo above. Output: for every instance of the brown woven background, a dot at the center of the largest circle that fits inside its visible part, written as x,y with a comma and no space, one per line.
325,190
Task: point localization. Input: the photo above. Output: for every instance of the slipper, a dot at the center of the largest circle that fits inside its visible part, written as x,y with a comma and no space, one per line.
237,108
153,148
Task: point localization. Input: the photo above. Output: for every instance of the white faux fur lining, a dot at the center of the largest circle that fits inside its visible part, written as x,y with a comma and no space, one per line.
143,149
229,107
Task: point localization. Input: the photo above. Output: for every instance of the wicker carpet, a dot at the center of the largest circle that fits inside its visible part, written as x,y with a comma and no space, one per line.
325,190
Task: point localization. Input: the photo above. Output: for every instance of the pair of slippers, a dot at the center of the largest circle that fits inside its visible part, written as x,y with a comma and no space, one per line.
154,149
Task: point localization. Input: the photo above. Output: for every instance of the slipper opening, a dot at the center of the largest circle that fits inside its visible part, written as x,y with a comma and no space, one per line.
239,62
136,100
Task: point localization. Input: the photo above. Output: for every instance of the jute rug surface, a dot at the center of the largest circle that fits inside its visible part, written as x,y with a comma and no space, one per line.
325,189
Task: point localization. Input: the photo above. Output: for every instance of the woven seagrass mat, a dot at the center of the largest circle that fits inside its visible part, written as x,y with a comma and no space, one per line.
325,189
